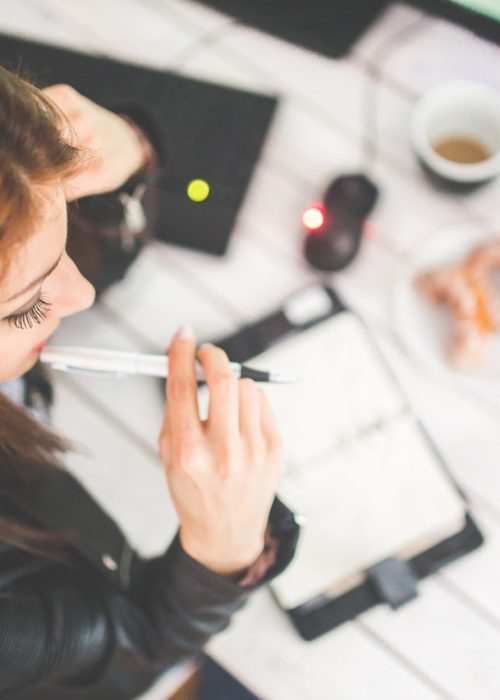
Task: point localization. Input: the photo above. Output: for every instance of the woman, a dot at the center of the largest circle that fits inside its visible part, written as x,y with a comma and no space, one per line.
73,621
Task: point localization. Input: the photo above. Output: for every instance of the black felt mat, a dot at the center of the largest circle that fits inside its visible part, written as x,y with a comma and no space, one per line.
205,131
328,27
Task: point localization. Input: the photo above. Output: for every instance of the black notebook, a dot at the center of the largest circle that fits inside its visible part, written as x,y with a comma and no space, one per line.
205,132
378,506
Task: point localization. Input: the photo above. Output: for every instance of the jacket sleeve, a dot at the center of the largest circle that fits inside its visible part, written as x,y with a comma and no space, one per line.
64,626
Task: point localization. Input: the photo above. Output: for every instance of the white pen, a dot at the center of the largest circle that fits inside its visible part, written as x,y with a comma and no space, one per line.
94,362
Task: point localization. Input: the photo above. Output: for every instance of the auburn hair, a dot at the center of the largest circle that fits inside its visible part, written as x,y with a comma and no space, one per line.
33,152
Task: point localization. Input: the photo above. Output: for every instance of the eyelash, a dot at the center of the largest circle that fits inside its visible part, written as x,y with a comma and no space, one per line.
36,314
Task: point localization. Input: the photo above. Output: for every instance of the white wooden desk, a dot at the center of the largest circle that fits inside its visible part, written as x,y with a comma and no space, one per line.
446,644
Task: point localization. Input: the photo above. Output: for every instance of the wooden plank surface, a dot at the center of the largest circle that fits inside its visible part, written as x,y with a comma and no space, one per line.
447,642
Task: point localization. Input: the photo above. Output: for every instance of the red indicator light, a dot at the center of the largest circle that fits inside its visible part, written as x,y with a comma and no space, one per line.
314,217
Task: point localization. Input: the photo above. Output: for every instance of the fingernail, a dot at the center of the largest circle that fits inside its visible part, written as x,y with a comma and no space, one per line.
205,345
185,332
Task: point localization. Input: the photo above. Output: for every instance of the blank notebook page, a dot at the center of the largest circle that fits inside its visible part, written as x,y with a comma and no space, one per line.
358,466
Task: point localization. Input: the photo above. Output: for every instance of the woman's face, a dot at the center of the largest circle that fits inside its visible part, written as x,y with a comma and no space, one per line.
41,286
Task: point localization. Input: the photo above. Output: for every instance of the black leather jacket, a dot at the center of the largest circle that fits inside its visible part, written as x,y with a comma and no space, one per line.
105,623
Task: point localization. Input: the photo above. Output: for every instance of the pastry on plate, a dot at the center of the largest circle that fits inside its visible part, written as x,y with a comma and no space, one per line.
471,291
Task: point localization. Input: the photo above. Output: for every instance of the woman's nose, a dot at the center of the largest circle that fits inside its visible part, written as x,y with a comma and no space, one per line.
79,293
86,294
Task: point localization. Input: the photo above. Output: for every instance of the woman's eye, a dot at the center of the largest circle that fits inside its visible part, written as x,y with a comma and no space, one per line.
35,314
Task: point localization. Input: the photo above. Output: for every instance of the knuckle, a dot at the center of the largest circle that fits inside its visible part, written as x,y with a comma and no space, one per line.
228,458
186,453
224,380
178,387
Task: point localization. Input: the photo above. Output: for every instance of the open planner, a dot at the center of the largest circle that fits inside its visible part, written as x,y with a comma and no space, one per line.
379,509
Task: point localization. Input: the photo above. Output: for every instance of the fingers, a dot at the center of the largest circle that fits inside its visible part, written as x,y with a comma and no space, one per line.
237,407
181,386
238,410
223,391
67,100
78,111
63,95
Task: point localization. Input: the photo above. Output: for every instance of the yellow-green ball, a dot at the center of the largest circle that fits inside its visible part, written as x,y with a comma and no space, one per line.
198,190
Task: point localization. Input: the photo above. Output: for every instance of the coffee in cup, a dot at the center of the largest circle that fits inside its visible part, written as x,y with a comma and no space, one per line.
455,132
461,149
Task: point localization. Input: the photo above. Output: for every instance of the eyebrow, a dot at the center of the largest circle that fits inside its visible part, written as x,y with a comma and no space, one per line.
36,281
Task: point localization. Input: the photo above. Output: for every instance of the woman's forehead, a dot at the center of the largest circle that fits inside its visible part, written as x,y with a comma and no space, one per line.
40,248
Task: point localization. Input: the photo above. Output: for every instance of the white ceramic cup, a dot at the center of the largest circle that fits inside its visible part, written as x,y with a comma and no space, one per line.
458,109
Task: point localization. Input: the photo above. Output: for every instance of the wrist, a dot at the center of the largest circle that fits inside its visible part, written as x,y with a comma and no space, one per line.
148,158
230,566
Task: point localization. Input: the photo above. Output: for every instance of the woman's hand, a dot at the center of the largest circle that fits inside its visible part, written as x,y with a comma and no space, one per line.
222,472
116,152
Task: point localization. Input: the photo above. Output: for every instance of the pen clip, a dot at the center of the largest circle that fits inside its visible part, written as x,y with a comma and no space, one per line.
86,372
